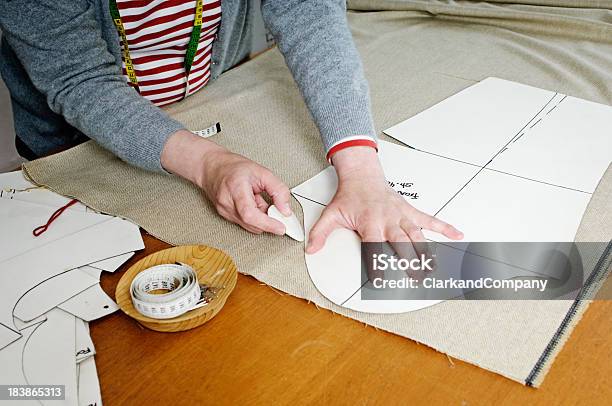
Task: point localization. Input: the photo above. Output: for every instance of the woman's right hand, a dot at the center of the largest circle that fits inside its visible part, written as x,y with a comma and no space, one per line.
233,183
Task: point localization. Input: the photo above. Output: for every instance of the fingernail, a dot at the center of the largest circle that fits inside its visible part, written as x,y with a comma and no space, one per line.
286,209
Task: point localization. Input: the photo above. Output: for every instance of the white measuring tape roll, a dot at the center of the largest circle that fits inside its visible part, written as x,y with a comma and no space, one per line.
180,281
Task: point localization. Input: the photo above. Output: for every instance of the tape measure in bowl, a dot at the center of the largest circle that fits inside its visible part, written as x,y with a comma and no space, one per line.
184,293
216,273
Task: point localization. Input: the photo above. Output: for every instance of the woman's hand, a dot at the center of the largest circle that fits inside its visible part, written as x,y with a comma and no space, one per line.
232,182
364,202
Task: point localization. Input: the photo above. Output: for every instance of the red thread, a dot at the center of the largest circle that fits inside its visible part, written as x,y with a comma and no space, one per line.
41,229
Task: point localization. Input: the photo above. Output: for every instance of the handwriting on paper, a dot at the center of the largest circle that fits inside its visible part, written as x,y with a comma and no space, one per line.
404,189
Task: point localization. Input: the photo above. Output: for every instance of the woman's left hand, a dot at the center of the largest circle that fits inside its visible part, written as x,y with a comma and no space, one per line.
365,203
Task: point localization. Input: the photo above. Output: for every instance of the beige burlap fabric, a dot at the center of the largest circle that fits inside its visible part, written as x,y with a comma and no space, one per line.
415,55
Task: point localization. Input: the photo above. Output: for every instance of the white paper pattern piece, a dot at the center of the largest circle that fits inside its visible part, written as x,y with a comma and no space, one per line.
48,353
571,146
52,345
45,296
23,325
84,347
75,239
520,164
522,130
336,268
89,385
409,172
293,228
67,285
113,263
19,218
11,360
48,356
474,124
498,207
91,304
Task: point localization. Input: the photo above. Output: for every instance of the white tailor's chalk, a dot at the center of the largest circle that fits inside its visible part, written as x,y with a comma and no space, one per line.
293,228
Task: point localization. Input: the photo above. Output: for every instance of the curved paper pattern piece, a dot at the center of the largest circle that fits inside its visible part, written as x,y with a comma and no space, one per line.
468,196
45,296
43,356
75,287
87,237
335,270
10,359
42,366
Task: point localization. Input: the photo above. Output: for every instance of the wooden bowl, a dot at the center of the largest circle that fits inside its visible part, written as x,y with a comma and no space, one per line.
206,261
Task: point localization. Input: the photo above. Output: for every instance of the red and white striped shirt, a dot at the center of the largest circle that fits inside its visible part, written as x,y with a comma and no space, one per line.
158,32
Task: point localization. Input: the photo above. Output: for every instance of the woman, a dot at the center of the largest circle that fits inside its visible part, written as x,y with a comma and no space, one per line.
102,69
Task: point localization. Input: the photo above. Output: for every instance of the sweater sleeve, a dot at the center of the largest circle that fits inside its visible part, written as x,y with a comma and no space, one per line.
60,45
317,45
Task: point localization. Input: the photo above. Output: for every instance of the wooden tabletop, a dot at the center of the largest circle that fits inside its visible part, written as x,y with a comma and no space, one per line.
268,347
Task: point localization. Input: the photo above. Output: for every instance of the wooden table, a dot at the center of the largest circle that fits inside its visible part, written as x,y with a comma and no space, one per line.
268,347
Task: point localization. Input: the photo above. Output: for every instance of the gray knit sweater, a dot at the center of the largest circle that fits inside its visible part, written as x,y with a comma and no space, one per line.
61,61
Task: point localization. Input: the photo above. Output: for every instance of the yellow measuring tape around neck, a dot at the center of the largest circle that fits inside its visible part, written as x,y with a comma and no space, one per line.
192,46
